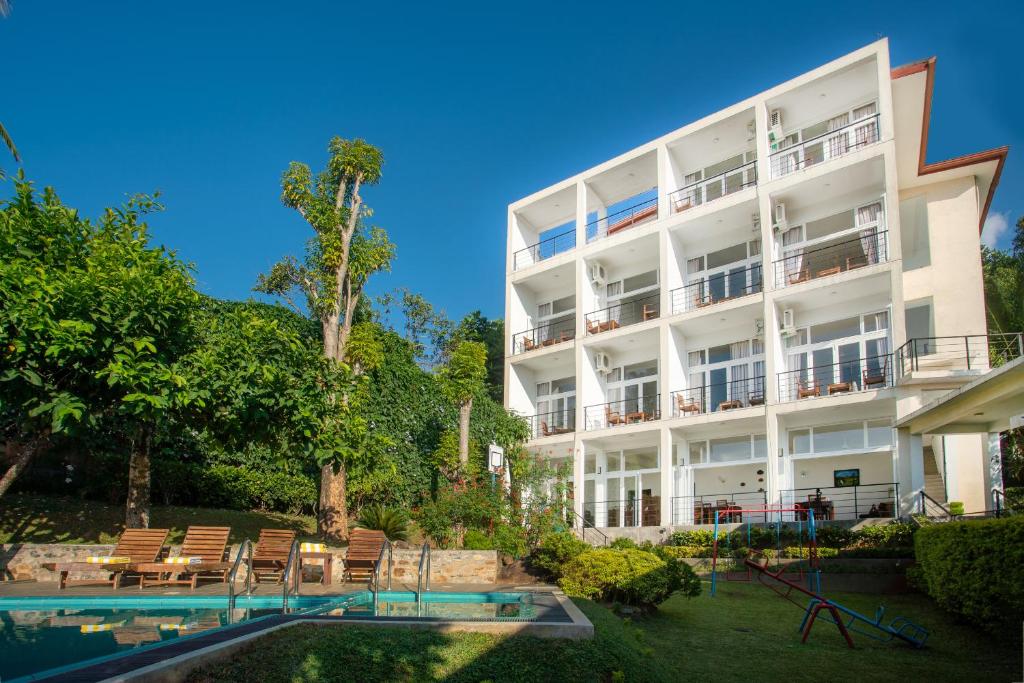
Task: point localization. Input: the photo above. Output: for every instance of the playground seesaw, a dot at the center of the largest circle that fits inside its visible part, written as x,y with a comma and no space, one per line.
899,628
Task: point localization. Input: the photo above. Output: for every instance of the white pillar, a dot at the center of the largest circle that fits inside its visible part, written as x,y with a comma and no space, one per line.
909,470
993,469
667,480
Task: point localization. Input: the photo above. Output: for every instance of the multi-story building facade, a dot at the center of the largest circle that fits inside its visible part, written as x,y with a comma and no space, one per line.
739,312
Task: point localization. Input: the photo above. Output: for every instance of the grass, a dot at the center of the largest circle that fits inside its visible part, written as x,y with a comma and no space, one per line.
28,518
745,633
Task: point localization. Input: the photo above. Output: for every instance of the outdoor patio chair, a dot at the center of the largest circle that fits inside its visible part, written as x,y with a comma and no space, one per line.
612,417
528,344
134,546
876,377
364,546
593,327
805,390
649,312
203,555
839,388
270,556
685,405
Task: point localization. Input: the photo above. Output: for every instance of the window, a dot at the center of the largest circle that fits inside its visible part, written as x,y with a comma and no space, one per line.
799,441
724,257
919,321
641,281
695,265
640,460
840,438
698,450
830,224
879,433
914,228
837,329
728,449
637,370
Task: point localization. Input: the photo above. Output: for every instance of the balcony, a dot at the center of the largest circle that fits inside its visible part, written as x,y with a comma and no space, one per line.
822,148
716,187
545,249
554,423
831,259
970,352
717,289
713,398
624,314
844,377
701,509
620,413
863,501
624,219
548,334
631,512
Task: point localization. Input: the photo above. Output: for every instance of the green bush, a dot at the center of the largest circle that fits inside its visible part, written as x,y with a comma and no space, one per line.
683,579
393,522
804,553
631,577
510,539
975,568
555,550
892,535
699,537
477,540
1015,498
237,488
622,544
868,553
835,536
687,551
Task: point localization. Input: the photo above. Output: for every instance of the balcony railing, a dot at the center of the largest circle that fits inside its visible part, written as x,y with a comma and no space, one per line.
630,217
867,250
545,249
864,501
701,509
625,412
717,289
830,145
970,352
623,314
855,374
643,511
554,423
713,398
549,334
715,187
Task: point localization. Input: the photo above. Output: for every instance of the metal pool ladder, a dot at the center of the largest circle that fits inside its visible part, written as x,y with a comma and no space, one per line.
424,555
375,585
292,578
246,549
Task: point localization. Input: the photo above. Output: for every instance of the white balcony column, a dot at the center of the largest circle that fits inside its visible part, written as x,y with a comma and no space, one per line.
665,464
577,481
908,464
993,468
581,214
764,172
773,480
664,181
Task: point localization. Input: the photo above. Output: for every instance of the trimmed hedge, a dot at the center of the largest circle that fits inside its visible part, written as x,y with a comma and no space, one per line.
975,568
632,577
555,550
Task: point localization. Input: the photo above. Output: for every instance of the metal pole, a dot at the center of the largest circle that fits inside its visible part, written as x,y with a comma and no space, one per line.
967,351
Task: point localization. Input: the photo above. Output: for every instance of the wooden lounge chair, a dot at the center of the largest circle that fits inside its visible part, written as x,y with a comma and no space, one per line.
553,431
593,327
649,312
730,405
138,545
270,556
805,390
839,388
364,548
802,276
685,405
612,417
528,344
875,378
756,400
208,543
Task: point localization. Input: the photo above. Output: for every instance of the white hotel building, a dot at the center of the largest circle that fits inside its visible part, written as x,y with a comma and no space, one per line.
739,312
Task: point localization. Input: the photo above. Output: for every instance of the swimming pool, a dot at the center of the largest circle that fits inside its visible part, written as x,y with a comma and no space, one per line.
44,635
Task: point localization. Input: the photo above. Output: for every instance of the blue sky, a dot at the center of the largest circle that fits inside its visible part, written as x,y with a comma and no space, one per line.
473,107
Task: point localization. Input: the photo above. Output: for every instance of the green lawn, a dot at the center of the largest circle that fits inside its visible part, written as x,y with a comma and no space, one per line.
47,519
746,633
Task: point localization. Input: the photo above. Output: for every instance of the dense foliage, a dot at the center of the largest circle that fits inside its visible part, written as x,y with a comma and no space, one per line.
630,576
976,569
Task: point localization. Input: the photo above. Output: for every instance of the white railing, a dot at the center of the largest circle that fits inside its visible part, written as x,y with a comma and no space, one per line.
830,145
713,188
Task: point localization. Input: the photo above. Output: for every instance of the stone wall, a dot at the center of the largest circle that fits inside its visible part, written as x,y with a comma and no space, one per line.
24,562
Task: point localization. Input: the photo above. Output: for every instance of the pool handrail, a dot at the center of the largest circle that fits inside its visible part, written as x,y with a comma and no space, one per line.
246,544
375,587
424,554
293,573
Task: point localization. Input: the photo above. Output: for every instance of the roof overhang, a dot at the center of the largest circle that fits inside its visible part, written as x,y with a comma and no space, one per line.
912,87
984,405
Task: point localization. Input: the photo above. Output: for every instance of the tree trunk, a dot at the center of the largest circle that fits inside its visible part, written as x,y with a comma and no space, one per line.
330,332
464,411
23,457
333,520
137,511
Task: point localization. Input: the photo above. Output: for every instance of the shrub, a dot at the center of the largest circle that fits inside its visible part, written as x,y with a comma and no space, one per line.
632,577
699,537
804,553
622,544
892,535
477,540
238,488
683,579
876,553
510,540
686,551
555,550
393,522
1015,498
975,568
835,536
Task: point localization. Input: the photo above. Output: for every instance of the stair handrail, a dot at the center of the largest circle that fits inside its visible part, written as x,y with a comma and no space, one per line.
925,499
1001,505
424,555
245,545
292,573
376,571
583,527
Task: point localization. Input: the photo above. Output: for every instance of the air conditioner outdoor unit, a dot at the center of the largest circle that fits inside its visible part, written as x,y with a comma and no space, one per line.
597,274
780,223
602,363
788,323
774,127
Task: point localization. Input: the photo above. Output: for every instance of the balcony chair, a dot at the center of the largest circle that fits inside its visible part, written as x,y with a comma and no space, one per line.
803,275
528,344
698,513
805,390
853,262
636,416
649,312
684,406
593,327
877,377
613,417
839,388
682,205
610,325
552,431
730,405
756,400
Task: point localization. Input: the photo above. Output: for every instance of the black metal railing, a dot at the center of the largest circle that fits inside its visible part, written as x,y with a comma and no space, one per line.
715,187
633,512
854,374
701,509
624,313
969,352
623,219
553,423
1001,505
583,524
625,412
868,249
863,501
544,249
821,148
716,289
548,334
931,508
712,398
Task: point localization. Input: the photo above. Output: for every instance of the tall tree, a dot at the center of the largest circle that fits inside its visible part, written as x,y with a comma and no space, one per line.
341,256
462,378
491,333
5,9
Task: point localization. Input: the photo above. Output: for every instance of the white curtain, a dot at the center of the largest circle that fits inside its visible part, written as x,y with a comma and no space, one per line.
739,390
793,259
797,367
868,216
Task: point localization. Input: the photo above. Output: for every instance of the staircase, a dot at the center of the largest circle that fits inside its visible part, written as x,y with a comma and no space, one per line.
934,485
